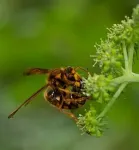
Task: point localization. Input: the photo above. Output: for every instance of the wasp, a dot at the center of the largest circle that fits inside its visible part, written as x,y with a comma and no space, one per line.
62,90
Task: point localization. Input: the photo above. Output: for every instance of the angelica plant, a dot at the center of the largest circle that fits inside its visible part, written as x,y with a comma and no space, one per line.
114,56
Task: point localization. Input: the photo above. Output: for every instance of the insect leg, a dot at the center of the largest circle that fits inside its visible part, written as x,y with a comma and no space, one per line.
27,101
75,100
71,115
68,91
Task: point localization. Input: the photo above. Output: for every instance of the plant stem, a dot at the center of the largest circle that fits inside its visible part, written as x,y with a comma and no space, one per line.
130,77
130,56
109,105
125,56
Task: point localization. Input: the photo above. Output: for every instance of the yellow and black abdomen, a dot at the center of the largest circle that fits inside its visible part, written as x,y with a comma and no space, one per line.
53,96
64,100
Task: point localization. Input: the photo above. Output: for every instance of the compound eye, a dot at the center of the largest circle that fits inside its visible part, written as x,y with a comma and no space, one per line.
69,69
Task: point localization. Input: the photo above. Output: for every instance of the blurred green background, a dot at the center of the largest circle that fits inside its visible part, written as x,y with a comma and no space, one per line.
50,34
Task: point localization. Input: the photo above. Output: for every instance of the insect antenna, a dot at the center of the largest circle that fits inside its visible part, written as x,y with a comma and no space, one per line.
81,68
33,71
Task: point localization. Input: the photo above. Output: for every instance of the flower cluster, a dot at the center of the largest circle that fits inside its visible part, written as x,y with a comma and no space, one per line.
99,87
109,57
114,57
90,124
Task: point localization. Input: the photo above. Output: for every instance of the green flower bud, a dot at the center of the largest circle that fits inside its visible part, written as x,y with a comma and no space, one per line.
107,63
106,99
120,56
96,95
106,95
106,68
99,100
113,51
118,64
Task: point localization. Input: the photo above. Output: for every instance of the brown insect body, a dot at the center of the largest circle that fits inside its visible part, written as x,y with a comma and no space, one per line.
62,90
54,96
64,99
64,76
69,80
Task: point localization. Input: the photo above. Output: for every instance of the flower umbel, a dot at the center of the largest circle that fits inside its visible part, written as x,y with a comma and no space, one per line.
114,57
98,86
89,123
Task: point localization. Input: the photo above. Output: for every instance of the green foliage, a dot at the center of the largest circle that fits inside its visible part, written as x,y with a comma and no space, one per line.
114,57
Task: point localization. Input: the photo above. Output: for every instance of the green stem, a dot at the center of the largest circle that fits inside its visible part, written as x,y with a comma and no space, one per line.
109,105
132,77
130,56
125,56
